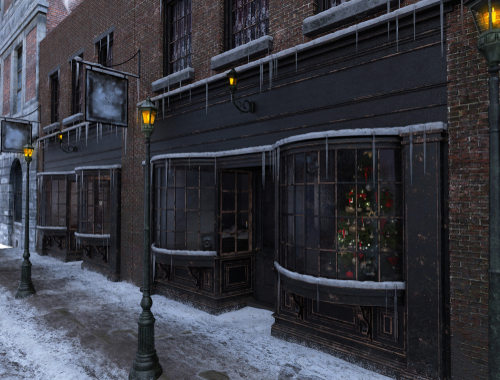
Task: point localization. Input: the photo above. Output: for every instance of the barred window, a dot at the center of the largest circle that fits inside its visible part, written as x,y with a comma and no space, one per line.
53,201
249,21
19,72
179,49
95,214
339,219
54,98
184,208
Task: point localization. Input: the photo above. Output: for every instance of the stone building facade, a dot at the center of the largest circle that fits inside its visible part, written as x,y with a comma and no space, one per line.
424,72
23,24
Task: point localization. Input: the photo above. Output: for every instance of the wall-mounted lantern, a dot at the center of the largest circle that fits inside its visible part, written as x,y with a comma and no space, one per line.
69,149
245,106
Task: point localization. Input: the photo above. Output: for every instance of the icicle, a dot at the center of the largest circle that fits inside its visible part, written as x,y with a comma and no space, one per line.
397,32
206,97
395,315
125,140
276,67
263,170
86,133
163,103
373,159
97,133
461,13
424,146
326,157
261,74
411,156
296,59
414,21
215,171
356,38
166,172
154,264
189,162
317,295
116,130
388,22
270,73
442,32
278,159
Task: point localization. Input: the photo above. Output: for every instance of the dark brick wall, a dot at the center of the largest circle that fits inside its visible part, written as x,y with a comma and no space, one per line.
56,13
6,85
31,64
468,198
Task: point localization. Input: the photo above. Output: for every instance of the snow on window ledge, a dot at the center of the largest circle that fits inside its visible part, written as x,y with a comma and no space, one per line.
92,236
340,283
342,14
178,77
249,50
76,118
51,228
181,252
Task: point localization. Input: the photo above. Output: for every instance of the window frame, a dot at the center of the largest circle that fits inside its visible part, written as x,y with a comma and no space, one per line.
17,106
76,86
228,25
288,244
104,50
167,34
46,216
54,97
101,190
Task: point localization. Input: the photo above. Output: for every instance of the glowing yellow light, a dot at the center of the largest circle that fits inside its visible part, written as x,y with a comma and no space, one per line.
28,152
60,136
494,18
145,116
231,81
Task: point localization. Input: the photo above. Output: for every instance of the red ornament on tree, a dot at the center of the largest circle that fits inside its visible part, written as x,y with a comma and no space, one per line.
349,274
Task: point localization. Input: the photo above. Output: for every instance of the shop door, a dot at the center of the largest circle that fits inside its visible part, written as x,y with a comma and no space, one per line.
265,278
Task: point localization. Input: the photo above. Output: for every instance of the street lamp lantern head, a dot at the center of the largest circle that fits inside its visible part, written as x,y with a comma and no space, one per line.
28,152
60,137
148,113
232,75
486,14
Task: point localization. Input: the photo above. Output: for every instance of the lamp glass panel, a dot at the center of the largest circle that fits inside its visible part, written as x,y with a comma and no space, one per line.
145,116
153,117
481,15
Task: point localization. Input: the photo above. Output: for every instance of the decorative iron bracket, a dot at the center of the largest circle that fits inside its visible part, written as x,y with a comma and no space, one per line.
245,106
58,240
299,306
103,252
47,241
86,250
165,270
69,149
196,273
364,316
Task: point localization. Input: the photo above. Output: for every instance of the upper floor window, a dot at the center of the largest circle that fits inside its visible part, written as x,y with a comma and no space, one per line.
19,77
105,50
323,5
54,98
178,29
249,21
77,85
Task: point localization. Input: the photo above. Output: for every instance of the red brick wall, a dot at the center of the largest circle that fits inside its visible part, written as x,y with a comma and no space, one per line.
468,198
6,5
56,13
6,85
285,22
31,65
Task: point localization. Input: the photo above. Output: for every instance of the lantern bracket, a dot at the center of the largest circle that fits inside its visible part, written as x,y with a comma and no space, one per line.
245,106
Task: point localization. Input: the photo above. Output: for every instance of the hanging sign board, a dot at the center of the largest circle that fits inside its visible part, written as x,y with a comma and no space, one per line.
14,136
106,97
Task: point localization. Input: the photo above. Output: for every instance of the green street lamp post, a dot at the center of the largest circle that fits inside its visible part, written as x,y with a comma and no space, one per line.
487,21
146,364
26,287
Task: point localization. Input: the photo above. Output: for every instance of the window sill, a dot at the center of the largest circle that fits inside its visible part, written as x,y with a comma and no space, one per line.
48,230
184,258
185,75
74,119
342,14
51,128
251,49
345,292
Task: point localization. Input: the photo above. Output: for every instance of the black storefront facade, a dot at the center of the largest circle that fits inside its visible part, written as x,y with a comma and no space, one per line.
327,203
79,213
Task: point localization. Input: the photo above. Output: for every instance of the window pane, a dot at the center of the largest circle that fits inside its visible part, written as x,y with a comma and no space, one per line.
346,165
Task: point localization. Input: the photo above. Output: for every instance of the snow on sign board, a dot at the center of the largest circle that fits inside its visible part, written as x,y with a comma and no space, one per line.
106,98
14,136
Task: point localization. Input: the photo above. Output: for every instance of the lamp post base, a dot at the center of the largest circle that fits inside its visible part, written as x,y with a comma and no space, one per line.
150,369
26,287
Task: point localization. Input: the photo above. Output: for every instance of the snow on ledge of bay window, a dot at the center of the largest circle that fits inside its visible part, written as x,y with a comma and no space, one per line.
182,253
341,283
102,167
92,236
185,75
249,50
51,228
55,173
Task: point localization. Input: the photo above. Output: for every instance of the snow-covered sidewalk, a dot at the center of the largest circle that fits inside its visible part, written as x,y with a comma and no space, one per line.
81,326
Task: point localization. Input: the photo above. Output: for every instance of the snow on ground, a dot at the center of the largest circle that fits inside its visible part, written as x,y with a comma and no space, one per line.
30,349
